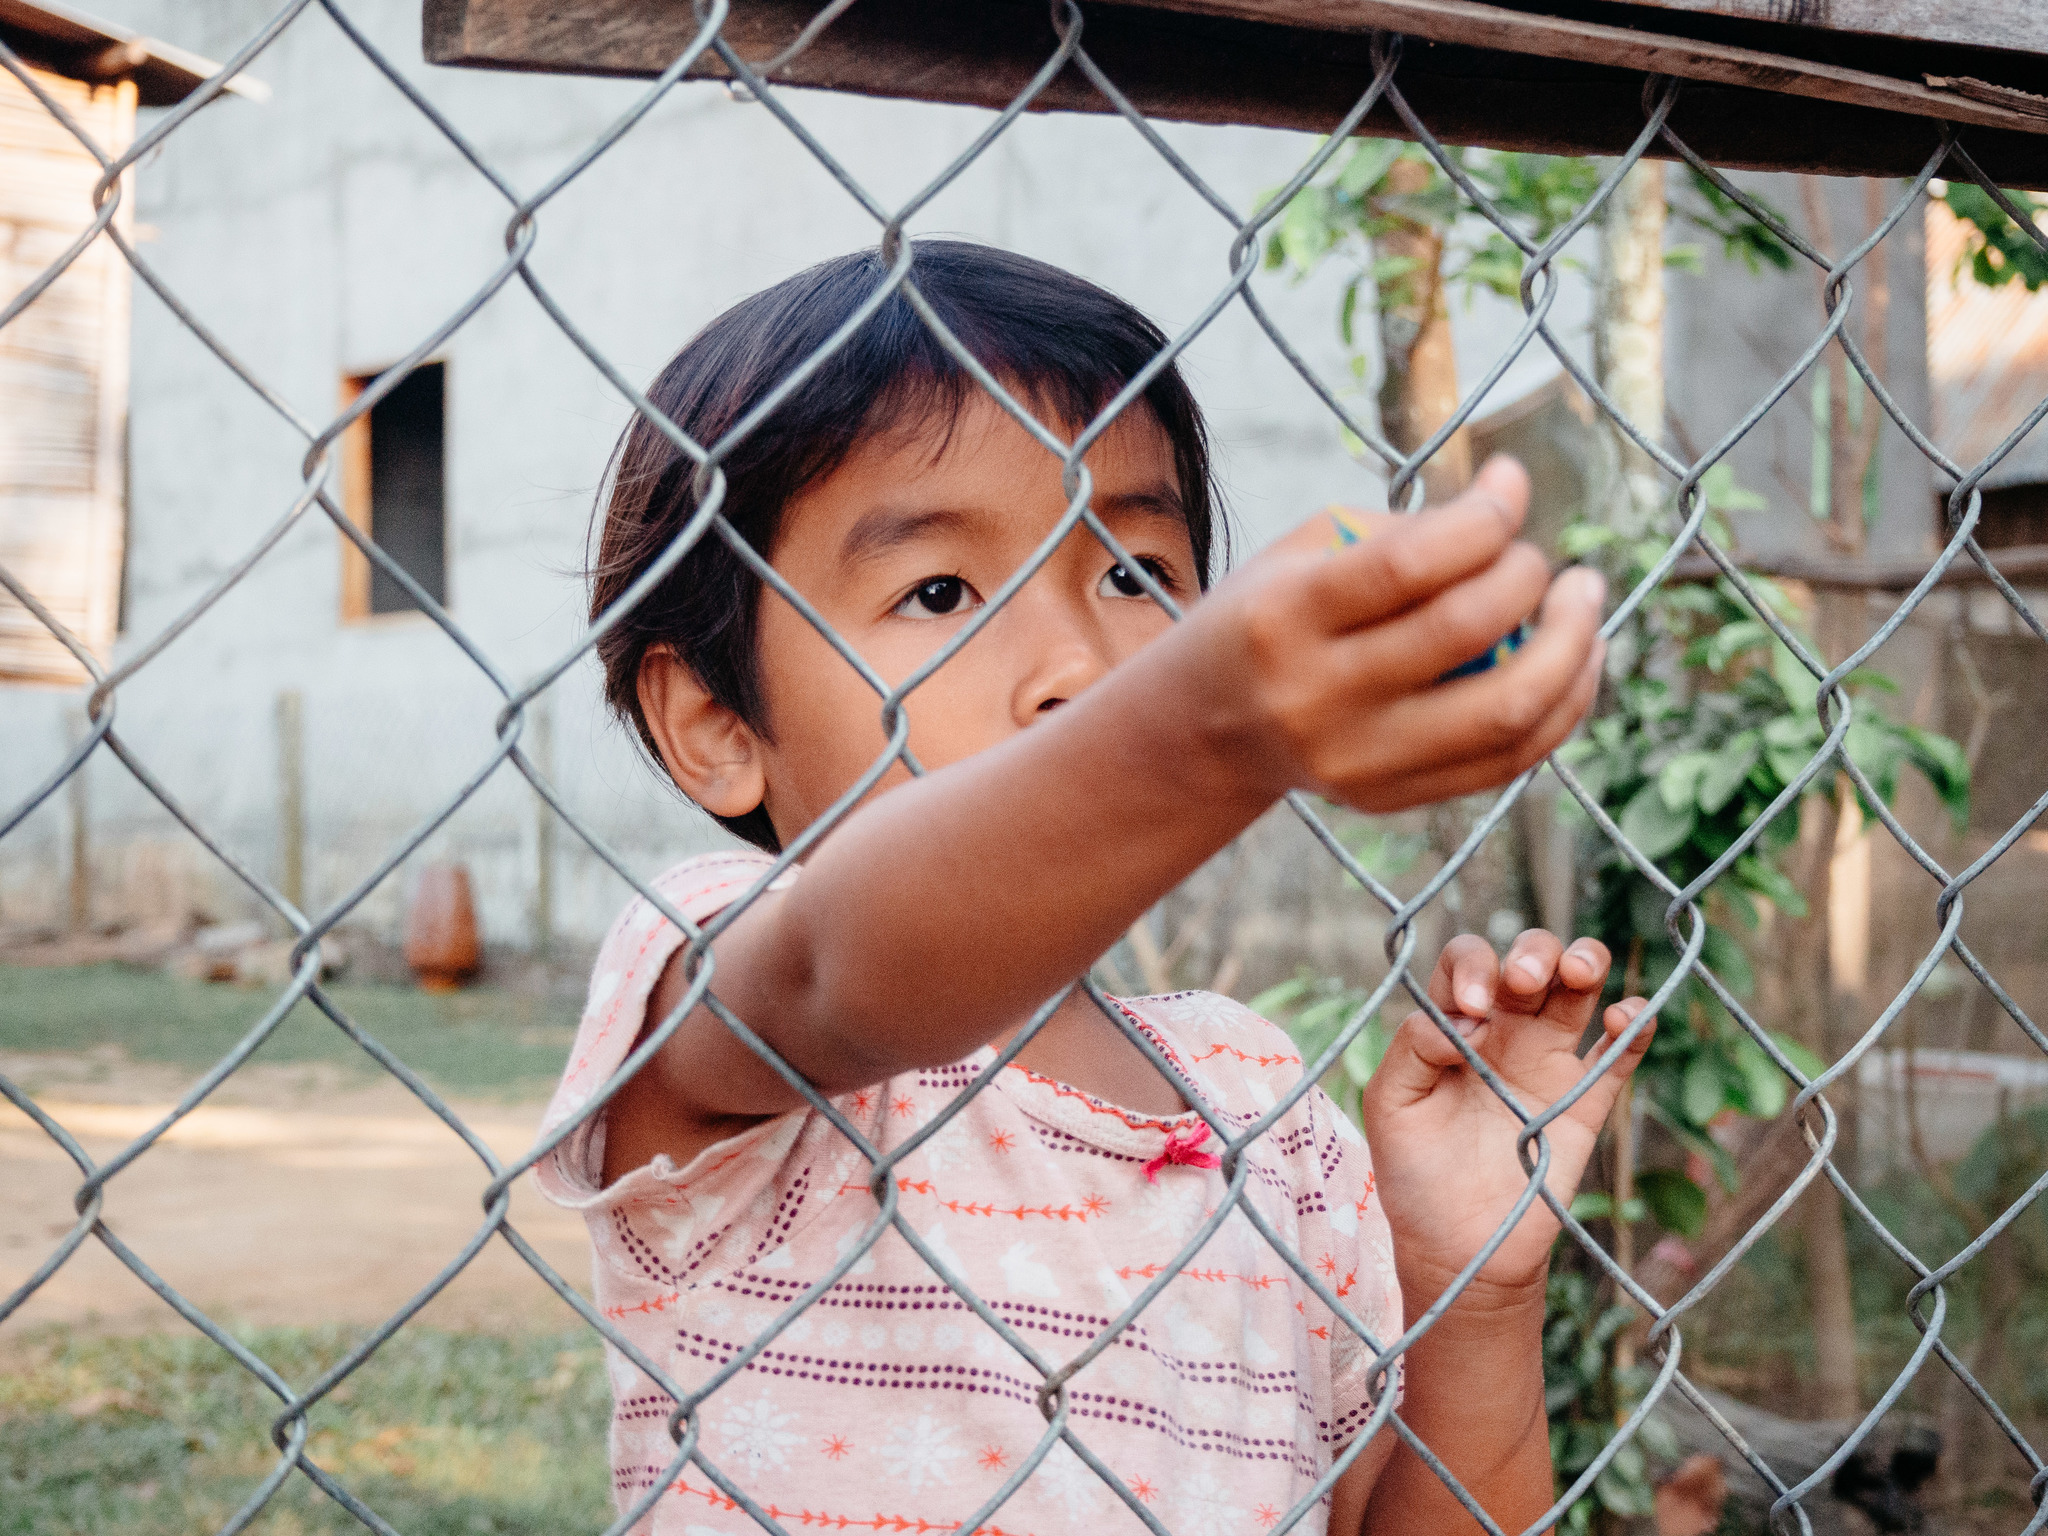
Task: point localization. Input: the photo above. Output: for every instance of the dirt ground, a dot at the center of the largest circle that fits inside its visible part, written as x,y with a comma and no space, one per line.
292,1197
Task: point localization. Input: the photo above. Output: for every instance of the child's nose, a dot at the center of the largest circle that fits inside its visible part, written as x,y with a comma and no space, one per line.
1060,672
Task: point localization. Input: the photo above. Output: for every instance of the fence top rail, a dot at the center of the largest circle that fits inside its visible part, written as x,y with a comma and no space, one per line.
1849,97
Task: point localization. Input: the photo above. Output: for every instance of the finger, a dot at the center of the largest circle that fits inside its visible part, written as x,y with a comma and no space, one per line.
1465,977
1597,1104
1584,964
1413,558
1448,629
1495,711
1527,971
1416,1057
1369,787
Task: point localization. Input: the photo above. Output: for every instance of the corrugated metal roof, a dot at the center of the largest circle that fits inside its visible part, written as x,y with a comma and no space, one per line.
1987,357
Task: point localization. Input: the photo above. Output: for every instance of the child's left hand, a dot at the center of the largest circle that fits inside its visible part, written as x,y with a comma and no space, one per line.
1443,1144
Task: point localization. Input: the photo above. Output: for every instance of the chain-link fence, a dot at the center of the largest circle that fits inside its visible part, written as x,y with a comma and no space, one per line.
1685,532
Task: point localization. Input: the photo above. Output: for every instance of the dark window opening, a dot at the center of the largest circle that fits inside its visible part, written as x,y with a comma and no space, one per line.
408,490
2013,516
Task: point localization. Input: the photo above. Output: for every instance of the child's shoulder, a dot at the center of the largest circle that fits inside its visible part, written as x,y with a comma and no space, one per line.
698,888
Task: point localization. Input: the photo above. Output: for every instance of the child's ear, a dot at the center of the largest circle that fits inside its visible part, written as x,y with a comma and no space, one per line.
713,755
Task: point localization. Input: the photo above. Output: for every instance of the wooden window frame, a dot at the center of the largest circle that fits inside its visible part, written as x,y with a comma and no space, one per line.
353,449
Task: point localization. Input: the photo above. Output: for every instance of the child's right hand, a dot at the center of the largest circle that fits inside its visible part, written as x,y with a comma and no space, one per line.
1318,666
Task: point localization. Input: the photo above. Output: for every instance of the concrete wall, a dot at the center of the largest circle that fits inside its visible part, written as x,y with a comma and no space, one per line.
325,233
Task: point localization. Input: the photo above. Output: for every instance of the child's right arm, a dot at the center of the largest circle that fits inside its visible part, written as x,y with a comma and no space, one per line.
944,911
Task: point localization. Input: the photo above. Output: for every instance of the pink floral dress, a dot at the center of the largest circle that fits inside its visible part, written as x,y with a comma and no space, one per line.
888,1405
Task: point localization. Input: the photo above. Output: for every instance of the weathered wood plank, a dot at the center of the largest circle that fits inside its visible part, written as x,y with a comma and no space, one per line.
63,379
1246,67
1553,37
2009,24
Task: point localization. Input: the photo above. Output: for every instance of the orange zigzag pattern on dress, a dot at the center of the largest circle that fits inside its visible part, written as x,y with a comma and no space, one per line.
1282,1059
1154,1271
1087,1210
898,1525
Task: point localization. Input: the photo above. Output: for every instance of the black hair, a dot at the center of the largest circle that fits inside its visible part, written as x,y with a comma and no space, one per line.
1060,344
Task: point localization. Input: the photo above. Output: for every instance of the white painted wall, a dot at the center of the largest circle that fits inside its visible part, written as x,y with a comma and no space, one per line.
326,232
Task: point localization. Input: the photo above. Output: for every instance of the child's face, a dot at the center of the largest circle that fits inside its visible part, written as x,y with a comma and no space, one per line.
897,550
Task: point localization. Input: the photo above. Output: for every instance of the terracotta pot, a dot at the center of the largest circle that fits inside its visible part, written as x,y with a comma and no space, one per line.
441,944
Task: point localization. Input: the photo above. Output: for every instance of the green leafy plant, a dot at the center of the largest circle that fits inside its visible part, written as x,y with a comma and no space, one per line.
1344,211
1685,760
1999,251
1587,1401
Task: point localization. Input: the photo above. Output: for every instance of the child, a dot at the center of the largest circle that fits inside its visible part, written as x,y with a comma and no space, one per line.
1083,755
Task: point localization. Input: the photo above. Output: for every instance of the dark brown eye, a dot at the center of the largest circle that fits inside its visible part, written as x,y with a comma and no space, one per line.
1119,580
938,596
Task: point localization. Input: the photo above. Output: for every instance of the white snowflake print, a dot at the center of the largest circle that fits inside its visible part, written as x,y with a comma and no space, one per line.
873,1336
1202,1507
834,1334
755,1437
909,1336
918,1451
1174,1207
947,1336
1065,1480
950,1147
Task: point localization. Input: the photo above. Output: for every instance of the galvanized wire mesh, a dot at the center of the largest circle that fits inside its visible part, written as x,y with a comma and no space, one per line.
1239,241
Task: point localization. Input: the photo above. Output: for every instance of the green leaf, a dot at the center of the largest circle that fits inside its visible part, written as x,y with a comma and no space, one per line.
1724,957
1654,827
1764,1085
1592,1205
1725,494
1946,767
1799,1055
1702,1094
1771,883
1370,161
1679,780
1280,997
1732,640
1799,686
1724,775
1677,1204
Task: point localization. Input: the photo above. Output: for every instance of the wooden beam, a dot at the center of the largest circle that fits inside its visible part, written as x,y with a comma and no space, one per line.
1504,76
2020,564
1512,30
2008,24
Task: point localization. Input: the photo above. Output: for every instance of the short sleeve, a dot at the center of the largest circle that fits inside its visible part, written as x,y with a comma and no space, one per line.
629,963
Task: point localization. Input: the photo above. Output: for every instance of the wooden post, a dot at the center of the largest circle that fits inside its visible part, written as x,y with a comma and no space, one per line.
291,797
543,831
78,812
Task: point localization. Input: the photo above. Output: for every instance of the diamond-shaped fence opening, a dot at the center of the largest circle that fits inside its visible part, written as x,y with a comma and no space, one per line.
1673,478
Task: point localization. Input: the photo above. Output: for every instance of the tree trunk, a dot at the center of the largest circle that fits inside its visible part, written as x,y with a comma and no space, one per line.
1838,858
1629,335
1419,388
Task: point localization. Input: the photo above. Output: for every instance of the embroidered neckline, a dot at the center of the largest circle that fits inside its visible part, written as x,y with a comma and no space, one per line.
1056,1102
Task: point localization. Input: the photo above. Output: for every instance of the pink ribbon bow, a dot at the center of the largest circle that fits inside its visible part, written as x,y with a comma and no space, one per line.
1183,1146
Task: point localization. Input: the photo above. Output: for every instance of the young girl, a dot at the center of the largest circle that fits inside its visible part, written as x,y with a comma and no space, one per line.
1083,755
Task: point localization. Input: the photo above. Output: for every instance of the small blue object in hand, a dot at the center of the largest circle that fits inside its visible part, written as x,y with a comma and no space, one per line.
1503,648
1345,529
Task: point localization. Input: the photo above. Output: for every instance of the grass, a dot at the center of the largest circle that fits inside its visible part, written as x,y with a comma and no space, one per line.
439,1433
480,1043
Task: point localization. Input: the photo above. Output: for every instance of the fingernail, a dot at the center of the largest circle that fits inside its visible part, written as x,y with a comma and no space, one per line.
1475,999
1463,1026
1593,585
1530,967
